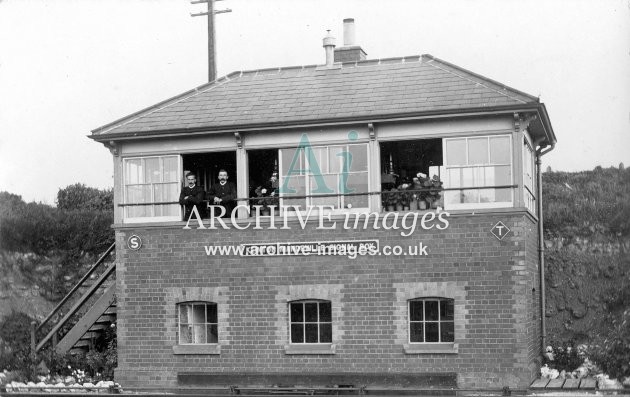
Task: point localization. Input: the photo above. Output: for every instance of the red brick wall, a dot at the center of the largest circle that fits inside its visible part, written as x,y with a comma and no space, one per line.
497,319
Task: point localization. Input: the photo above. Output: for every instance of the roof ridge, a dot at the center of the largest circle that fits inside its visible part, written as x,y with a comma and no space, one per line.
432,59
167,102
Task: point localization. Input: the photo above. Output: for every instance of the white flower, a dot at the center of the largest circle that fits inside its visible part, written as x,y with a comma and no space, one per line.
264,191
349,205
421,175
405,185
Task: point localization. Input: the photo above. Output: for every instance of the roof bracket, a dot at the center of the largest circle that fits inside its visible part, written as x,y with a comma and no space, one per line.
372,131
113,147
239,140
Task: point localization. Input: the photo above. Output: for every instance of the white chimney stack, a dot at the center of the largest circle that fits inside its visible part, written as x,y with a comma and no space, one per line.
329,47
348,32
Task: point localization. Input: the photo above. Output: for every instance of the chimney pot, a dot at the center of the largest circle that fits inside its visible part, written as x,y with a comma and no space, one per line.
329,47
348,32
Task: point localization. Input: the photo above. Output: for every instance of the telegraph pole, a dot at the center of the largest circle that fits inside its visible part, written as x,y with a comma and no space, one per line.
212,52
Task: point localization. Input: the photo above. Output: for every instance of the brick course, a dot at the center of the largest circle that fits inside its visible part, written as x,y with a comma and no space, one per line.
497,317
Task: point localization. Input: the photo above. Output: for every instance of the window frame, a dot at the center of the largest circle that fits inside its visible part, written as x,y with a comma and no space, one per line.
340,206
168,218
447,167
192,324
424,321
529,153
303,302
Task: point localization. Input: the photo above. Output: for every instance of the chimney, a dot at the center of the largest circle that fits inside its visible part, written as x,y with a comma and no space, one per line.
350,52
329,46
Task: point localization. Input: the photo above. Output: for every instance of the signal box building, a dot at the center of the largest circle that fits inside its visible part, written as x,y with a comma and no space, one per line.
453,301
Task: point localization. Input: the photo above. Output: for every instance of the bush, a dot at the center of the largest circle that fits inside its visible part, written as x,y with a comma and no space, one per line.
566,356
15,346
612,354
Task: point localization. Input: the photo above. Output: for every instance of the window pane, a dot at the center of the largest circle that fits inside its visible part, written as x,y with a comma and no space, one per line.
211,313
297,312
471,196
357,183
325,333
170,166
453,197
359,157
335,158
297,333
447,332
503,195
133,170
183,314
415,311
213,334
152,172
311,333
416,332
478,151
329,182
467,177
432,332
324,312
297,183
503,175
454,177
447,308
431,310
185,334
455,152
311,312
199,333
500,150
486,195
320,156
199,314
288,156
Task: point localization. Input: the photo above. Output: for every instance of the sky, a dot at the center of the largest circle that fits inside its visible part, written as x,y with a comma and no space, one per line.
70,66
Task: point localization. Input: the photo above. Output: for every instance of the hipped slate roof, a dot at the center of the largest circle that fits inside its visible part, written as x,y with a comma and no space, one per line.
314,94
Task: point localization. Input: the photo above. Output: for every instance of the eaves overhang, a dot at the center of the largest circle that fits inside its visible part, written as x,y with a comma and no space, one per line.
541,124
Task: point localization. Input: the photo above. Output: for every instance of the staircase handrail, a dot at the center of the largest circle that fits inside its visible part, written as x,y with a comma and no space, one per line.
76,286
77,305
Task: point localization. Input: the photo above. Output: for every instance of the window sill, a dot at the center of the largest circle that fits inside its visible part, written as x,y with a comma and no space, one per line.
310,349
431,348
197,349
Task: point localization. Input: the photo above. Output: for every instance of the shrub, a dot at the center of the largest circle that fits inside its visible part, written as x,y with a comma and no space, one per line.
612,354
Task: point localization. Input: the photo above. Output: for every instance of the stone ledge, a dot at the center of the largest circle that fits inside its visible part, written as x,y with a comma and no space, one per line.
431,348
197,349
310,349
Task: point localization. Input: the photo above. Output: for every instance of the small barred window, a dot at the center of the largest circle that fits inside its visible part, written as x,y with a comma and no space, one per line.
431,320
197,323
311,322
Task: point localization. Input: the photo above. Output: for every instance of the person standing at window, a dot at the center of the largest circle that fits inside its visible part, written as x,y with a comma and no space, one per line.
223,193
192,195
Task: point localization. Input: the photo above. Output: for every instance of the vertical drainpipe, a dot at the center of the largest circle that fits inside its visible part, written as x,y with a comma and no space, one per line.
541,243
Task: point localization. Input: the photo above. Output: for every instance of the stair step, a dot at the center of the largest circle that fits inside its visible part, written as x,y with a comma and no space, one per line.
106,318
82,342
97,327
111,310
91,335
78,350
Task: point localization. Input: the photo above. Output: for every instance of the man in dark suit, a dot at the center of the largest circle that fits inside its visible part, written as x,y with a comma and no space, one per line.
223,193
192,195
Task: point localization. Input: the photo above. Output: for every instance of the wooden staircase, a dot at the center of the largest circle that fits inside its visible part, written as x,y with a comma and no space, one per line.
84,314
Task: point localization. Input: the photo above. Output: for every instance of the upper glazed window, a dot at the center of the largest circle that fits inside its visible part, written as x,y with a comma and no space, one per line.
482,167
151,187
